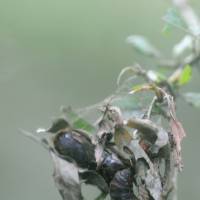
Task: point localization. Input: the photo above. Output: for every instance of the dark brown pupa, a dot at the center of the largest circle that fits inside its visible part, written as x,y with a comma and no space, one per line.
121,186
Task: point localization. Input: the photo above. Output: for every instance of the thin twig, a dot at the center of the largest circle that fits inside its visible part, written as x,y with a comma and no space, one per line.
151,107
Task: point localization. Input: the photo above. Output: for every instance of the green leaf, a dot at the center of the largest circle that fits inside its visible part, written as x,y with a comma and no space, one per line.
77,121
142,45
193,98
173,17
185,76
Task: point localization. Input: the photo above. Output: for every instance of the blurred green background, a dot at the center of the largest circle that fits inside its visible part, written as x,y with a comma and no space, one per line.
66,52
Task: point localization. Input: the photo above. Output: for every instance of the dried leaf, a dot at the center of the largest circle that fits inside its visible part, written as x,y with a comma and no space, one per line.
139,152
162,138
148,87
57,125
66,179
178,134
153,184
150,132
148,181
177,131
141,88
121,136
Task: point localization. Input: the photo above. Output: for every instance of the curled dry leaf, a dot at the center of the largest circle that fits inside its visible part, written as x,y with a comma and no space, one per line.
153,185
139,153
149,130
178,134
66,179
177,130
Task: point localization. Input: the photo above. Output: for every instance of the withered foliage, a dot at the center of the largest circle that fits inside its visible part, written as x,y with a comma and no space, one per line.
128,146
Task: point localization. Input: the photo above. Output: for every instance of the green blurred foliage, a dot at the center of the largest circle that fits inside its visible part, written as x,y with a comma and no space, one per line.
185,76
